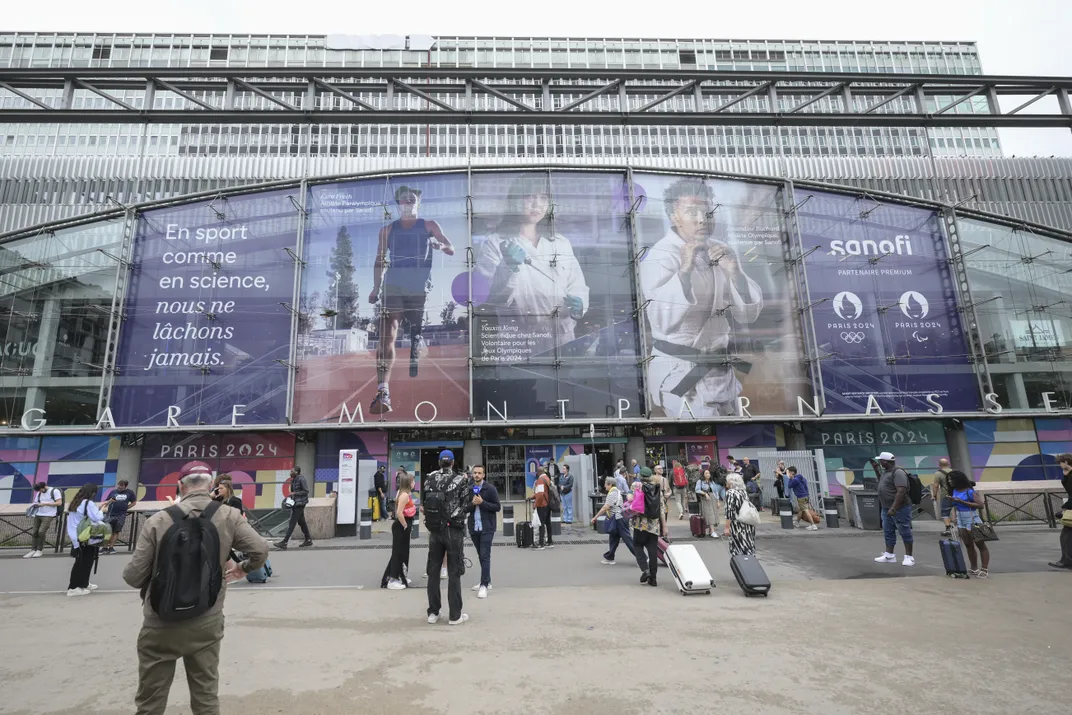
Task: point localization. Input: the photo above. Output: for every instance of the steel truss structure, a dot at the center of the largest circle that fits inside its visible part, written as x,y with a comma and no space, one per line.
464,96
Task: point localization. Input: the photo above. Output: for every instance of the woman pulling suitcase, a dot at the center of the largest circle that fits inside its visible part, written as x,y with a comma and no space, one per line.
966,503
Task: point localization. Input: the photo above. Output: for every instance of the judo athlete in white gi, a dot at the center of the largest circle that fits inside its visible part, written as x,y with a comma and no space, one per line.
695,285
536,280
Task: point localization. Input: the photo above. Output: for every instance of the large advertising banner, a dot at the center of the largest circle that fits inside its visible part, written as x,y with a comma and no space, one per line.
555,334
884,306
723,339
206,337
384,333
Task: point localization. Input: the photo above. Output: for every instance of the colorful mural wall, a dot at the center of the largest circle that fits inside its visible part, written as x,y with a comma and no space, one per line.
66,462
847,447
258,463
1017,449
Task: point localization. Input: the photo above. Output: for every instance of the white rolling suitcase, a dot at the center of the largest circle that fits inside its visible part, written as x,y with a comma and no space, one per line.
688,569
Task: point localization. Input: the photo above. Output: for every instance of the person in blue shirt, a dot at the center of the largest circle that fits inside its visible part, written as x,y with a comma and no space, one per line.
798,485
966,505
119,501
482,517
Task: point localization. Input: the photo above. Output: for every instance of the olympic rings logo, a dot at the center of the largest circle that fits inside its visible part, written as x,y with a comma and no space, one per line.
852,337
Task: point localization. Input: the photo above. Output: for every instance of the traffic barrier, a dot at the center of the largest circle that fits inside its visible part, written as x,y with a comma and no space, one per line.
785,511
830,507
508,520
365,530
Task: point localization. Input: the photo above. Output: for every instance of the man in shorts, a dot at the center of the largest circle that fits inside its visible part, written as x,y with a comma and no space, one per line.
941,493
119,502
405,251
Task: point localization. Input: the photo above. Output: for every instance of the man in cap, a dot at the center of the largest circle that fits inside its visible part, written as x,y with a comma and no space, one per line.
896,509
694,286
445,500
409,242
166,637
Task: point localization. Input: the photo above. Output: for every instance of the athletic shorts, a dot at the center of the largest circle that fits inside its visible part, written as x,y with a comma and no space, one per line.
117,522
404,300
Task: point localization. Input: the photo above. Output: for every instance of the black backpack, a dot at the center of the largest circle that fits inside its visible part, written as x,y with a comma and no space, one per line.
653,504
436,505
188,576
915,488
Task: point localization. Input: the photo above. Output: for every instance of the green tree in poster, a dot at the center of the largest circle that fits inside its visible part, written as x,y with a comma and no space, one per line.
446,315
341,295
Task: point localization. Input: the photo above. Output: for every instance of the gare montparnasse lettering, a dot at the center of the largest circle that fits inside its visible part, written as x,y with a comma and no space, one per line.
425,412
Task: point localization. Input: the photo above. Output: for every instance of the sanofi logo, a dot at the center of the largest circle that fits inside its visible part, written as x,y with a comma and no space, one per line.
900,245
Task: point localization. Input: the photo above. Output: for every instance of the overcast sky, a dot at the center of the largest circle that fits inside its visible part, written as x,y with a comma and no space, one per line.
1027,37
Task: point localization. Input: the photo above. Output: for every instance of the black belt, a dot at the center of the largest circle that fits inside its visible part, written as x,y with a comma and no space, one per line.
704,360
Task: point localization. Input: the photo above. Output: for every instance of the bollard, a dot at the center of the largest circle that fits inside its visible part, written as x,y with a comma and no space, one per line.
830,507
365,532
508,519
785,511
556,524
415,527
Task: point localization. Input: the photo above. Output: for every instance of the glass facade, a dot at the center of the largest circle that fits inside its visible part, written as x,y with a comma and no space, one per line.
59,170
541,296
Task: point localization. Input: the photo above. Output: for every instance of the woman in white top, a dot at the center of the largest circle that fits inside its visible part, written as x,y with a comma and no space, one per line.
85,554
536,280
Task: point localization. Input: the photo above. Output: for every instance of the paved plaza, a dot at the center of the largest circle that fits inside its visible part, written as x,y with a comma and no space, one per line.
561,633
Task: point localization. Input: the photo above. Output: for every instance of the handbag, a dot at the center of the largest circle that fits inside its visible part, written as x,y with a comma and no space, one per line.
983,531
288,503
748,514
1066,518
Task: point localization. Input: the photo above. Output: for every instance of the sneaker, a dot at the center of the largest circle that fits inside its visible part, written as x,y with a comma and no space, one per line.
77,592
715,535
908,561
813,527
482,593
1059,565
541,547
381,403
30,554
886,558
443,572
305,543
37,554
946,533
93,587
608,562
460,620
476,587
395,585
800,525
282,545
433,618
550,546
409,582
652,582
644,577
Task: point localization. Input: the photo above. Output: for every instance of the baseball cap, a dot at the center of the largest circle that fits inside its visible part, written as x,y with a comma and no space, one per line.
403,189
885,457
446,454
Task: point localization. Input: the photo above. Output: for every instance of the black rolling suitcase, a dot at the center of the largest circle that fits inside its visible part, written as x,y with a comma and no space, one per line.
523,531
750,575
953,558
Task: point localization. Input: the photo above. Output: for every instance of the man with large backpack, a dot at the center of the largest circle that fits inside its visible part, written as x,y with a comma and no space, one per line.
178,565
648,526
445,498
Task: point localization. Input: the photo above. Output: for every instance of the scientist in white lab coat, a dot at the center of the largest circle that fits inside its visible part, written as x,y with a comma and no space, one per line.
695,285
535,278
